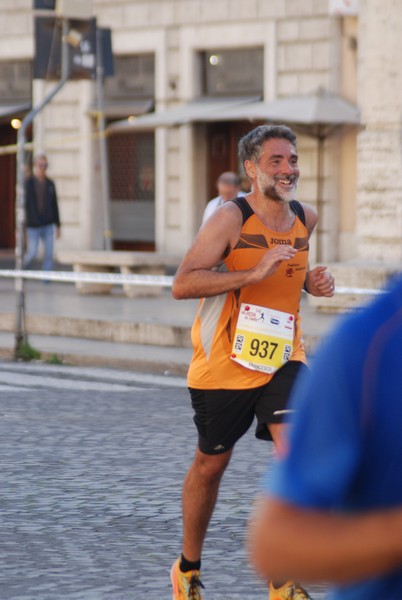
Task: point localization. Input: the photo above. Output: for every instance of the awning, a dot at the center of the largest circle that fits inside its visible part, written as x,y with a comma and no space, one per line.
321,108
192,112
113,110
14,110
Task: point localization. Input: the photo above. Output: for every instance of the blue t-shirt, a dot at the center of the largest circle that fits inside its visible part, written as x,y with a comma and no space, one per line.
346,439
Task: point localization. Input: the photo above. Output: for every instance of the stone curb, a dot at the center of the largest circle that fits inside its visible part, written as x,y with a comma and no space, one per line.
153,334
159,366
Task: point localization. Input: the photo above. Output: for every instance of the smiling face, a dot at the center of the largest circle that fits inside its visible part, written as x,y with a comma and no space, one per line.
276,172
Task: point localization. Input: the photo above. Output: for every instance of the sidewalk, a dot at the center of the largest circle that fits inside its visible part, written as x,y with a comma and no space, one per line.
150,334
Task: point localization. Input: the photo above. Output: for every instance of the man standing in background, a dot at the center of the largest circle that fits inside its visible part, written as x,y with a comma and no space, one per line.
228,185
42,214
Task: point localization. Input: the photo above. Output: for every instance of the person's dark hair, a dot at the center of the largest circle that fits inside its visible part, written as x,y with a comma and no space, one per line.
250,145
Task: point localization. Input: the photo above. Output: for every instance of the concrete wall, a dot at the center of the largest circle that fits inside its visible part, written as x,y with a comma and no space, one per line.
299,44
63,130
379,184
16,29
304,48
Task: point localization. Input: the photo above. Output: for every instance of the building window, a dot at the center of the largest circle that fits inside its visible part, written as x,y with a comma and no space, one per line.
131,92
131,155
132,162
134,78
15,81
132,190
232,72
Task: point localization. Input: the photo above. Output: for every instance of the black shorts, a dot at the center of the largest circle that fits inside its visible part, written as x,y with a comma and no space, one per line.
222,417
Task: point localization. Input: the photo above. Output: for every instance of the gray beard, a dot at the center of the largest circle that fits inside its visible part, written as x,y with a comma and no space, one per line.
271,194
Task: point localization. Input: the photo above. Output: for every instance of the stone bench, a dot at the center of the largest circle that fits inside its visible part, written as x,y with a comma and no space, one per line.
126,262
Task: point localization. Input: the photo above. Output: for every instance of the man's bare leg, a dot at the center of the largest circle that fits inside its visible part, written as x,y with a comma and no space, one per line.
278,434
200,491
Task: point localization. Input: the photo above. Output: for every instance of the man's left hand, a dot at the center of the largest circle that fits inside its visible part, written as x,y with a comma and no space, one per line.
319,282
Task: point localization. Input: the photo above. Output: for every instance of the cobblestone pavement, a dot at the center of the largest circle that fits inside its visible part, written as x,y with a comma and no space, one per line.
92,465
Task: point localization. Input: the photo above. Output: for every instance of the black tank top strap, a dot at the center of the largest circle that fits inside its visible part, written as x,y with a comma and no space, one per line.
244,206
247,211
298,210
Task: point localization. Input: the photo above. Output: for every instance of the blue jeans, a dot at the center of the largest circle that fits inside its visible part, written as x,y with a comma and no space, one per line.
34,234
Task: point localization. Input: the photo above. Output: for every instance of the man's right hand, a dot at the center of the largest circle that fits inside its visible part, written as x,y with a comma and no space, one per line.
271,261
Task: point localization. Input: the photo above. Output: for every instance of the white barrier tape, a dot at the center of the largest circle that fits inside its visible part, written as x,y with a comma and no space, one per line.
131,279
358,291
73,277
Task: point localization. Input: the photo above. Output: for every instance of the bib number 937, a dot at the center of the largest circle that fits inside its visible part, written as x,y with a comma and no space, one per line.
263,348
263,339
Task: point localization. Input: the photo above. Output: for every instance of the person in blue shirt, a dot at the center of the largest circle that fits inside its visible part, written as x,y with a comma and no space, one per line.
333,510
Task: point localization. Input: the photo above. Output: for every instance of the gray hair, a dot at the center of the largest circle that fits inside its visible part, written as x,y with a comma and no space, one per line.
38,157
230,178
250,145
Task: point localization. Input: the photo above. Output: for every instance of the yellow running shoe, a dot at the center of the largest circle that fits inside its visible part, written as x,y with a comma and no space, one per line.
186,586
288,591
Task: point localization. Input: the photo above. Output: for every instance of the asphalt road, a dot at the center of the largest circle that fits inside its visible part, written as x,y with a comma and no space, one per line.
92,466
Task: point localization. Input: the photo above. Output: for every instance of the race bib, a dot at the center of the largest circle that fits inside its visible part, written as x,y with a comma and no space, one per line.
263,339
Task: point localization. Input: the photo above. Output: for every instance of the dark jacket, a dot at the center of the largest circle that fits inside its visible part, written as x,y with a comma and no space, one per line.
50,214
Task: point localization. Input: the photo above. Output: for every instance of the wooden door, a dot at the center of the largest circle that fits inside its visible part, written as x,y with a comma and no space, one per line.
222,141
7,188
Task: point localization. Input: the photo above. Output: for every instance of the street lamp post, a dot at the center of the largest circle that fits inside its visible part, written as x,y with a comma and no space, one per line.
100,75
20,333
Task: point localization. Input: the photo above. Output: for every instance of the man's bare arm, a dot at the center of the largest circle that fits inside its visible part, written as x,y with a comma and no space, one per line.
319,281
196,278
288,542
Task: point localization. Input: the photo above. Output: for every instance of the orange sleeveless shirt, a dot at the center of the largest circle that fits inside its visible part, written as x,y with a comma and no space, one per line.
212,333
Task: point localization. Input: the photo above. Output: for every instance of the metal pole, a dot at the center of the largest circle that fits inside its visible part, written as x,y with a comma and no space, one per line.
107,233
20,333
320,191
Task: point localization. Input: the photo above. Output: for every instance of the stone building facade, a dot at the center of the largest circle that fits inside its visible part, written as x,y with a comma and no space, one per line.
165,54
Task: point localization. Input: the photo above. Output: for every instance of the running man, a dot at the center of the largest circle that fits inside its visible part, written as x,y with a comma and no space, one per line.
249,259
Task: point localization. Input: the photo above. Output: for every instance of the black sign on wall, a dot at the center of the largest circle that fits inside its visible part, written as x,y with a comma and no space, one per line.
106,50
44,4
82,49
